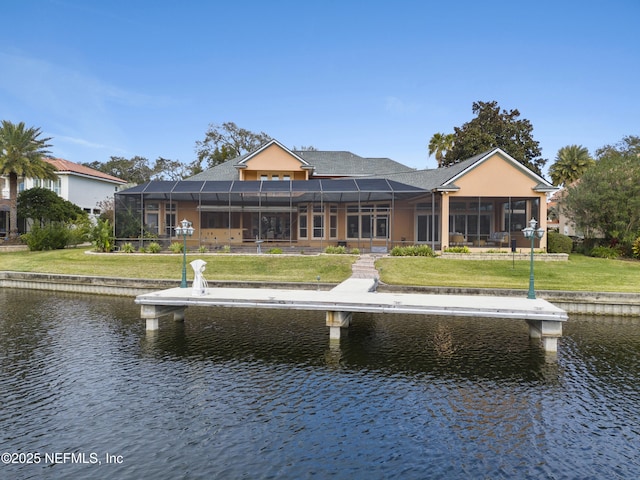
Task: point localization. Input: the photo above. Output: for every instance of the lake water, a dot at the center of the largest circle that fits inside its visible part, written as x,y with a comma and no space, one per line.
86,392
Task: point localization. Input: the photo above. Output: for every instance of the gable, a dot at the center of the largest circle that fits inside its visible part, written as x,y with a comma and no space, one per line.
273,158
499,175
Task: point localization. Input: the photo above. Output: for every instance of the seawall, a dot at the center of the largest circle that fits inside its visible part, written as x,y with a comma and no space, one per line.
588,303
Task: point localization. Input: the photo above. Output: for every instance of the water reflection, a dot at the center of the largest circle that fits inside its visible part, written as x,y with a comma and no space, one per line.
233,393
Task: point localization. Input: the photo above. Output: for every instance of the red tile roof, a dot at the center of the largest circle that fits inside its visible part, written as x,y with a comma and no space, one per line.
66,166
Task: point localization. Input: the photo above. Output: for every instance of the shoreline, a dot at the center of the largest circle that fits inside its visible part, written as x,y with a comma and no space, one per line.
573,302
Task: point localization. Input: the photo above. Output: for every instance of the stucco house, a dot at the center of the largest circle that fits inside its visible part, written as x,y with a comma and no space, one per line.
320,198
76,183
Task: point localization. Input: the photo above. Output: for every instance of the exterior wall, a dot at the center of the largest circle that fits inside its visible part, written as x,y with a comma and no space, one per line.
86,192
273,161
495,179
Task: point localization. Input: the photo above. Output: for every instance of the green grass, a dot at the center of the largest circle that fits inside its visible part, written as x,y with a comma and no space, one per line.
579,273
279,268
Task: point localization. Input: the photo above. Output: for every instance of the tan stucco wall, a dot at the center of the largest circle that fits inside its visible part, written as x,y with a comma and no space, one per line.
495,177
273,160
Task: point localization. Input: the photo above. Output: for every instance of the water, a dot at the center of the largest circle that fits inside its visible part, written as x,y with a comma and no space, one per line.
241,394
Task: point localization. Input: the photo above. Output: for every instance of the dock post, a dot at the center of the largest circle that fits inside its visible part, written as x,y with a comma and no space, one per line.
548,331
152,324
336,321
153,312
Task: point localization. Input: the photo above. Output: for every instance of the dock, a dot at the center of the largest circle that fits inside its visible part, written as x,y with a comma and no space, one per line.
359,295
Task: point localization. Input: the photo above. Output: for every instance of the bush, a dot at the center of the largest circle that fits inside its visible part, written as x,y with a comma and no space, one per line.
413,251
101,236
462,249
51,237
605,252
128,247
176,247
335,250
558,243
226,249
635,248
275,251
355,251
154,247
202,249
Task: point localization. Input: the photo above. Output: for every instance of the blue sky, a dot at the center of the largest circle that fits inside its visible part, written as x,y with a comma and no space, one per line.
127,77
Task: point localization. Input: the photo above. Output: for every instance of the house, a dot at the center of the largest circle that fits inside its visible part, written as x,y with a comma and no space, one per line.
319,198
76,183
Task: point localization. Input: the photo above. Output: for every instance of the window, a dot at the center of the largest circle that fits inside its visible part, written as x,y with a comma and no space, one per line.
318,221
368,221
333,221
302,220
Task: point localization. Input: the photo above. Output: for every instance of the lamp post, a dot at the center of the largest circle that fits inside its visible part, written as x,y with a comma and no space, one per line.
532,233
185,229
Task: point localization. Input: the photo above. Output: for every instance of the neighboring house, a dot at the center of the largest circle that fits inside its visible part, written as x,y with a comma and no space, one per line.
316,199
76,183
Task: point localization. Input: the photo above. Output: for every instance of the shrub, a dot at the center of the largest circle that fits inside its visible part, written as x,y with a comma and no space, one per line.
226,249
176,247
101,236
202,249
142,250
635,248
413,251
154,247
605,252
128,247
355,251
335,250
275,251
461,249
54,236
558,243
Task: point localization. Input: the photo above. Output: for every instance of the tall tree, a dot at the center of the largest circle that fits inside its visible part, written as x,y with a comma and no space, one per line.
134,170
494,128
226,141
607,197
440,144
22,153
571,162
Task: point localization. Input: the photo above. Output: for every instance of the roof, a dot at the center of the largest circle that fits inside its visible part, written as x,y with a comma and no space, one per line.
65,166
324,163
443,179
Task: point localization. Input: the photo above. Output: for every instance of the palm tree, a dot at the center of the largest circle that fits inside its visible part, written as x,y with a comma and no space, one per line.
22,153
440,144
571,162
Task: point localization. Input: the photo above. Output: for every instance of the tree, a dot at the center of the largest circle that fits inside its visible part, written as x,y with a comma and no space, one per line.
606,198
571,162
44,206
492,128
134,170
22,153
165,169
226,141
139,170
439,145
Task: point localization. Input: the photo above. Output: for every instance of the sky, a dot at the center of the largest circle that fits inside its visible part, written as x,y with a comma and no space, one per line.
147,78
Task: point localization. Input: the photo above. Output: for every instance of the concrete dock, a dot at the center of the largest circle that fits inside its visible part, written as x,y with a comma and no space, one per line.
358,295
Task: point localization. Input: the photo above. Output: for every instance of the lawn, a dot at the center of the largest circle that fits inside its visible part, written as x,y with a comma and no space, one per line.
579,273
279,268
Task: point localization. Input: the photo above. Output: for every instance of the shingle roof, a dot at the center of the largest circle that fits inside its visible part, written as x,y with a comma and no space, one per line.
325,163
65,166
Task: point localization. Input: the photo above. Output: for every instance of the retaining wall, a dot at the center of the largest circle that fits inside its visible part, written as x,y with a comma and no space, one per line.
590,303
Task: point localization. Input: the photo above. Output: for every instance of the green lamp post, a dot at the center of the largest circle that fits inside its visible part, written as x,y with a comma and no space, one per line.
532,233
185,229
